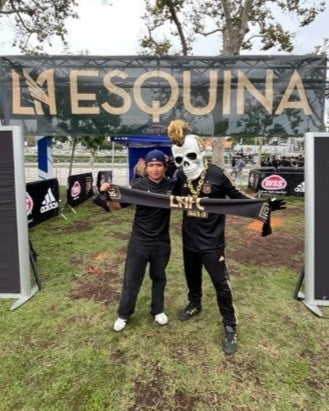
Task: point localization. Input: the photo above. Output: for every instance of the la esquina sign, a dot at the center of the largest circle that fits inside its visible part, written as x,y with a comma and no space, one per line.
220,94
43,90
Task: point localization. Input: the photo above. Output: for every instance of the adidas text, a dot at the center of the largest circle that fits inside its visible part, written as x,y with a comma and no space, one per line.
300,188
49,202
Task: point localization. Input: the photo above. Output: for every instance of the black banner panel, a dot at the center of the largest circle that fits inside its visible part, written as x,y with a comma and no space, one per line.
104,176
80,188
42,201
283,181
9,265
321,209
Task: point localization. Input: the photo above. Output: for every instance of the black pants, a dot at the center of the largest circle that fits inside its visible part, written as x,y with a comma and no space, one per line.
214,263
139,254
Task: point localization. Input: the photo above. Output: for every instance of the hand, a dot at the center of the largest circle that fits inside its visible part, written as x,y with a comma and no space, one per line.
101,200
277,204
105,187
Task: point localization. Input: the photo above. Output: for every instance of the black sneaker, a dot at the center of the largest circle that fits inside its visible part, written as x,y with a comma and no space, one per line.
188,312
231,340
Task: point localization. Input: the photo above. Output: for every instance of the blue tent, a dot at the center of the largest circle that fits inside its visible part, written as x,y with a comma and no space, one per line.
143,140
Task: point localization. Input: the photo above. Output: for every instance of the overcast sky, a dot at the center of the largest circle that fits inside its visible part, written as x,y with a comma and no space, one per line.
115,30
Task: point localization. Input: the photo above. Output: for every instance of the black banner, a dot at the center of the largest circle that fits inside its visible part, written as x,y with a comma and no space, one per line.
9,265
80,188
282,181
240,95
321,220
42,201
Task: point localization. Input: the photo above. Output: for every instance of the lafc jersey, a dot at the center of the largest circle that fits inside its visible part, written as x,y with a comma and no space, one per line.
208,233
151,224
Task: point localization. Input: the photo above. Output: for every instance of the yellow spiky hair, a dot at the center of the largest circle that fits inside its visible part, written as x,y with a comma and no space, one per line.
177,131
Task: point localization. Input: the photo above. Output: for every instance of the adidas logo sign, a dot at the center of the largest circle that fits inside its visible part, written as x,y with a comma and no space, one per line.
300,188
49,203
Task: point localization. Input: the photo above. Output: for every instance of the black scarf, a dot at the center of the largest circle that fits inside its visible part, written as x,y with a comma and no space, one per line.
252,208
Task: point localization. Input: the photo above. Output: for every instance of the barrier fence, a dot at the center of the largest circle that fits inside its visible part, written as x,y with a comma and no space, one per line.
281,181
103,177
42,201
80,188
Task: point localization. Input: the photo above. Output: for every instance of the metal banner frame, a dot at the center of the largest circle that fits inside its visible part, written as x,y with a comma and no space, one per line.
312,224
22,259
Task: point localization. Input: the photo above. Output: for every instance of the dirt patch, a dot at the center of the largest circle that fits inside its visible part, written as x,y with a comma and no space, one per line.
272,251
245,245
122,236
317,367
257,225
78,226
149,393
104,286
184,401
118,357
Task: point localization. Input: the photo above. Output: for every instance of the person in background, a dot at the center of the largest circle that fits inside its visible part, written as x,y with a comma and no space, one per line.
275,161
285,162
139,169
149,244
239,165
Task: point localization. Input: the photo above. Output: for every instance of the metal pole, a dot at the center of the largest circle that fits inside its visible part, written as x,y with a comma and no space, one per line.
22,225
309,218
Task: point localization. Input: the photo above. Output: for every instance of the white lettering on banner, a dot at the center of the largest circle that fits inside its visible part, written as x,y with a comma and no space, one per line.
185,203
76,189
36,91
28,203
300,188
274,182
49,203
43,90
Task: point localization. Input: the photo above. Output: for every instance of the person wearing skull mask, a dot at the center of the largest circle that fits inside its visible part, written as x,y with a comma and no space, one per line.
203,233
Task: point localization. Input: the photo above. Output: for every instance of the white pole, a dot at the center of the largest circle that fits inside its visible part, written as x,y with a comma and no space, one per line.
309,218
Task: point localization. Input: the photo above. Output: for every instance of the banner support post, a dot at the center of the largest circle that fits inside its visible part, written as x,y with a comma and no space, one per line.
315,257
21,235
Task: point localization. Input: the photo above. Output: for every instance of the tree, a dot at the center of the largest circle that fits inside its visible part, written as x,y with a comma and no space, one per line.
73,141
38,21
93,144
239,24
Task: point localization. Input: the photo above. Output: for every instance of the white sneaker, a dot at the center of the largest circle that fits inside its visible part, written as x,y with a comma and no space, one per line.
161,319
119,324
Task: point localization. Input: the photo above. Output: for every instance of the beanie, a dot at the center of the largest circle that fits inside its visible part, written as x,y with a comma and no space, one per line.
155,155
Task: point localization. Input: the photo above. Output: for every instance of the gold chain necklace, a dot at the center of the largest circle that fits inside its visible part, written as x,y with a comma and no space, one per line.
196,191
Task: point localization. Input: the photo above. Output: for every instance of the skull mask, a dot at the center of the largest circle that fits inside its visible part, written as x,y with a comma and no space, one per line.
189,156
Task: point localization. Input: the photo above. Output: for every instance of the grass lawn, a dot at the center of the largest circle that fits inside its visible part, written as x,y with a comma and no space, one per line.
58,351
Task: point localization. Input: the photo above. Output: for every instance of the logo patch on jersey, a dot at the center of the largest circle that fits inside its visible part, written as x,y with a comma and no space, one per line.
206,188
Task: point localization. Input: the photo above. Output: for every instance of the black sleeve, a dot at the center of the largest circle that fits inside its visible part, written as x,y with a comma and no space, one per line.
231,191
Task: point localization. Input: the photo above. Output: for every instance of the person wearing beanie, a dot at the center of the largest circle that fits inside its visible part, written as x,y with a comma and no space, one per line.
149,244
